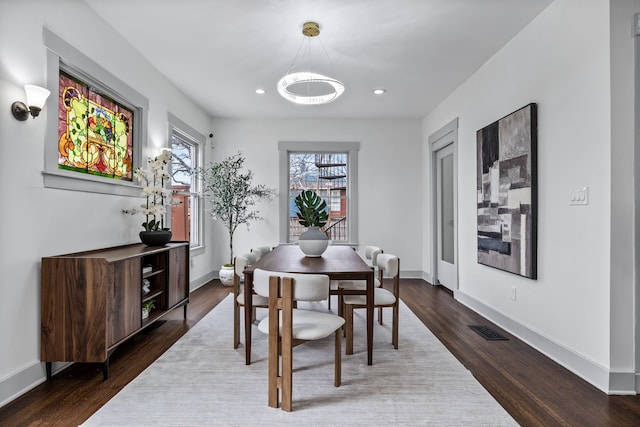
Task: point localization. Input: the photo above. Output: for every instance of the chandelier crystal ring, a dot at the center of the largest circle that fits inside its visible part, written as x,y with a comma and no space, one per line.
308,87
304,77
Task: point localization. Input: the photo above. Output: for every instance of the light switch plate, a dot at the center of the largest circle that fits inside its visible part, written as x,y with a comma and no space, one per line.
579,196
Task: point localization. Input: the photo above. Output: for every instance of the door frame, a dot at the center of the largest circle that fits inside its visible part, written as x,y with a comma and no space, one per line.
445,136
636,166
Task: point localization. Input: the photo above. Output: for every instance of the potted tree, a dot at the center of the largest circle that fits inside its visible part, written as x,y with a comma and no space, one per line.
312,213
231,198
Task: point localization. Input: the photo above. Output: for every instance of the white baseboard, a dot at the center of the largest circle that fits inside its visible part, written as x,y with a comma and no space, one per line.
202,280
592,372
18,383
427,277
411,274
623,383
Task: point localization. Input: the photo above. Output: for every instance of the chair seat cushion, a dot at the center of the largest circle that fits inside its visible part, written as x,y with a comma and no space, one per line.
257,300
356,284
381,296
308,325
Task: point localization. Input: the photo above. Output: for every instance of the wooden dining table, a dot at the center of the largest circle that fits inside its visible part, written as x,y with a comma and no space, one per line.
337,262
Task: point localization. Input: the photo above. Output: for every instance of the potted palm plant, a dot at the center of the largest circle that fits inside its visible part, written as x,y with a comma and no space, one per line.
231,197
312,213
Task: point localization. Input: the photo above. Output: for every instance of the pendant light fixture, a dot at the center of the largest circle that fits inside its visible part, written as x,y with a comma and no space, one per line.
308,87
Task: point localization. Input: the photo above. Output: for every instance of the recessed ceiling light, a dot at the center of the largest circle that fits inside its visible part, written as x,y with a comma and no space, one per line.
379,91
261,91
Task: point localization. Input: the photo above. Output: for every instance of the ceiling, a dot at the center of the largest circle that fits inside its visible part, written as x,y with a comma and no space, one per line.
219,51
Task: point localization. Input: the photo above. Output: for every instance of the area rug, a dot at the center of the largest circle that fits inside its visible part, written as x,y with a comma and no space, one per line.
202,381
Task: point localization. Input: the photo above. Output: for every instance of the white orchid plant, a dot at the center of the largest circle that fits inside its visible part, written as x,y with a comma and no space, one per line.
158,197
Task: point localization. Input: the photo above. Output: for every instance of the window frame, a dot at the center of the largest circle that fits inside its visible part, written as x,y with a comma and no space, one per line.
63,56
189,135
351,148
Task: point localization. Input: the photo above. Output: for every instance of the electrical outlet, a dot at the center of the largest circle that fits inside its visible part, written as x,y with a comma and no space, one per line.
513,293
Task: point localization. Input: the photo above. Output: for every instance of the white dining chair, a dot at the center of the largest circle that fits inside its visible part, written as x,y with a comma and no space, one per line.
371,255
389,267
294,326
240,263
337,286
260,251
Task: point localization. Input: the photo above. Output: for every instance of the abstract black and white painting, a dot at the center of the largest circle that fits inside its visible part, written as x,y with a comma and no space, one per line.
507,193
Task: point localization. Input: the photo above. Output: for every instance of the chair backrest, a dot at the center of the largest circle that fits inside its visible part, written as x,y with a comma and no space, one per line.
260,251
243,261
372,252
388,265
307,287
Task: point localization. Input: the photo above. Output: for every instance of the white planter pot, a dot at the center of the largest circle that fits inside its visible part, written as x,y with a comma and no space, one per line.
313,242
226,275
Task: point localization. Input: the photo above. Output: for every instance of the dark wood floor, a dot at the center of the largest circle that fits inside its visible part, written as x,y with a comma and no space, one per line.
533,389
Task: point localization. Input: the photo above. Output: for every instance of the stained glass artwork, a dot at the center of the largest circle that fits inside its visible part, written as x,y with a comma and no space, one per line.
95,134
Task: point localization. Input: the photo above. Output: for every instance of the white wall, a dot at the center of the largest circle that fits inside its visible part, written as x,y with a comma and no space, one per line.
561,61
38,221
389,180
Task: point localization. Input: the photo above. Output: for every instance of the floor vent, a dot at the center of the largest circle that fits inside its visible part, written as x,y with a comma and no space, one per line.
488,333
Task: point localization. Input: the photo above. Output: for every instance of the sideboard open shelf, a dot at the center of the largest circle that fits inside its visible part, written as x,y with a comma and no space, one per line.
92,301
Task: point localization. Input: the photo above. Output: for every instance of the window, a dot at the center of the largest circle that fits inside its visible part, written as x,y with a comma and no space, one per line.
95,133
186,217
99,141
326,174
329,169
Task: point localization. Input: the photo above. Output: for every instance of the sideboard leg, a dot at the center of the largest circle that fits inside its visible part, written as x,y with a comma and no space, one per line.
185,311
105,370
48,367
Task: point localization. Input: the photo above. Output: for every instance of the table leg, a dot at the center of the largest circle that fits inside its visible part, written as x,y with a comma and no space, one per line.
370,301
248,311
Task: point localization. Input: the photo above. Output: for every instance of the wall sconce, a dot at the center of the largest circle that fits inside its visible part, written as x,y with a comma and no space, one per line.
36,97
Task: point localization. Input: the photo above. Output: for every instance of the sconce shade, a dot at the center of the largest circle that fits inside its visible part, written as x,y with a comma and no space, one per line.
36,98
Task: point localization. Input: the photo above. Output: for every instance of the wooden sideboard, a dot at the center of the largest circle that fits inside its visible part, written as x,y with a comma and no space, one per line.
92,301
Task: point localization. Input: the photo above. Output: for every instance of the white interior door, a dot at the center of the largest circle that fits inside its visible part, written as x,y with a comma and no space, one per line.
446,269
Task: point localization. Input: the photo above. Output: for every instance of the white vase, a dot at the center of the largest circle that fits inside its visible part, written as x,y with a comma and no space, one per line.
313,242
226,275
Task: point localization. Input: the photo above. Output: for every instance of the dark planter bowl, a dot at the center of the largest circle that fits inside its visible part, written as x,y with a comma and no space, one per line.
155,238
